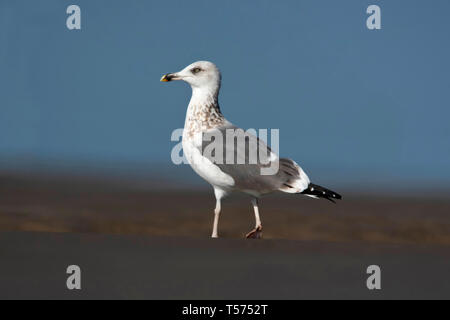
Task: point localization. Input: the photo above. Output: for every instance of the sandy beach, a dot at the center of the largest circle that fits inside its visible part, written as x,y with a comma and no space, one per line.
152,244
86,205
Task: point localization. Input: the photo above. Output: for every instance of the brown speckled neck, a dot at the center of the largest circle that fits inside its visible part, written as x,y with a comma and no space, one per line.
203,114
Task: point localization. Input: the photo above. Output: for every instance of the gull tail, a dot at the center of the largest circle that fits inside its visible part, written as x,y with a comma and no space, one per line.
316,191
294,180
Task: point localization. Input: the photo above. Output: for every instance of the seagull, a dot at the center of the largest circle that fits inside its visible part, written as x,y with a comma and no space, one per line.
203,118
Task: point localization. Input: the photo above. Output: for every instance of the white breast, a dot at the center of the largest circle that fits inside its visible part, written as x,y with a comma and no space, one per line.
202,165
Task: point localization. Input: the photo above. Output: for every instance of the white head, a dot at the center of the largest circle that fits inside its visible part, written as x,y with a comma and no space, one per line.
203,75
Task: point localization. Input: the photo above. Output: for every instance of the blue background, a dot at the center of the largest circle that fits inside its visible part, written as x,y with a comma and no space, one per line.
355,107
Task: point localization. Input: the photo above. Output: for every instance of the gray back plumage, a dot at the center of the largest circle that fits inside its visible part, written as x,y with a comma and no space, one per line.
242,155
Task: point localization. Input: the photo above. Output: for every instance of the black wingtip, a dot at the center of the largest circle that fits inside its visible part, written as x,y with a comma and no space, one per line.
321,192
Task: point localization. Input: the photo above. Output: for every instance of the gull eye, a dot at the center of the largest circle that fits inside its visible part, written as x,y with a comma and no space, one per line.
196,70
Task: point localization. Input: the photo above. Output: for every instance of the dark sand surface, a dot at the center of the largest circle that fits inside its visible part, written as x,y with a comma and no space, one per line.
146,243
142,267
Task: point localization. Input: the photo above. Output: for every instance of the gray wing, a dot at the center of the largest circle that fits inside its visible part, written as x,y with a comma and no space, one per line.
248,160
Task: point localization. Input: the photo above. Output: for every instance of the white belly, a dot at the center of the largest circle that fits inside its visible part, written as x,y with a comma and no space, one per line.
204,167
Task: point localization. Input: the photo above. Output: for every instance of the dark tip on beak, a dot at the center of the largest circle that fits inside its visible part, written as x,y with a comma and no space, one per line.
167,77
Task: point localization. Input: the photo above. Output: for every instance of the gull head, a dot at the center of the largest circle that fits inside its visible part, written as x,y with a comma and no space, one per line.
200,75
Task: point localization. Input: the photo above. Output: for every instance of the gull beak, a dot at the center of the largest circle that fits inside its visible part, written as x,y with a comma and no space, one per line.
169,77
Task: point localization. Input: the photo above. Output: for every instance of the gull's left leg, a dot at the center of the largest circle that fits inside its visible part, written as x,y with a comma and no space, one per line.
219,193
257,232
216,219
